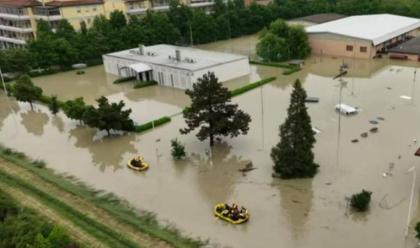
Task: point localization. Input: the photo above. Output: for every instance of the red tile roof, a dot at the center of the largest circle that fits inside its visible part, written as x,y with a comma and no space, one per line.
19,3
68,3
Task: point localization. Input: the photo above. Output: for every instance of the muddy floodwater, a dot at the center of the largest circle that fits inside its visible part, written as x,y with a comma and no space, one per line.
309,213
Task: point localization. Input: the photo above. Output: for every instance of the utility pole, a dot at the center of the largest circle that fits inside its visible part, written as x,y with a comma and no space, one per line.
4,84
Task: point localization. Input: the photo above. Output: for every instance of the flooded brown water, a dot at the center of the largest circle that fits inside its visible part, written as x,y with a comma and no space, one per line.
294,213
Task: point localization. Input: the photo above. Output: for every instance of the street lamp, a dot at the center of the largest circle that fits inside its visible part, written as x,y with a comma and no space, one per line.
2,80
413,184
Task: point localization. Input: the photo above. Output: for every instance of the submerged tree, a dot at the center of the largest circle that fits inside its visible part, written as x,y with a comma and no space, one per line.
178,149
360,201
108,116
53,105
293,156
74,109
212,112
24,90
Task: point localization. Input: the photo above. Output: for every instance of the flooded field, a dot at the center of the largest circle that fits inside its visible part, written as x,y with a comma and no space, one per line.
310,213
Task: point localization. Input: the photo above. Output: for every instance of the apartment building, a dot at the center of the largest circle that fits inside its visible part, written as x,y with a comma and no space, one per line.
18,18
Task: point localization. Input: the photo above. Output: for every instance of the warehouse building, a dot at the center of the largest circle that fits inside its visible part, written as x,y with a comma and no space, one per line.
174,66
363,36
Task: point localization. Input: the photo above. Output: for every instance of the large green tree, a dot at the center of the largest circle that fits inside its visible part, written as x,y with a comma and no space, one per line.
108,116
24,90
293,156
281,42
212,112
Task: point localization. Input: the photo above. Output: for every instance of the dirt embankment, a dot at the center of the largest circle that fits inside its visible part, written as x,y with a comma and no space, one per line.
76,202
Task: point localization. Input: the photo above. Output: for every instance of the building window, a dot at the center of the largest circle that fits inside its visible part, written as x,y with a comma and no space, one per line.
363,49
349,48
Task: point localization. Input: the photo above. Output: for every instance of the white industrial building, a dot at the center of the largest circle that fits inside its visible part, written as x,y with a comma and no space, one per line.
174,66
362,36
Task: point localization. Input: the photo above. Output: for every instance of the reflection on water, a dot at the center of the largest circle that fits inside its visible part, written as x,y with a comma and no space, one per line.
58,123
34,121
218,172
106,152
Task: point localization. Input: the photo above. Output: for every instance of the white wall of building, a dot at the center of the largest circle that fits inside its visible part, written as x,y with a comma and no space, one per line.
225,72
176,77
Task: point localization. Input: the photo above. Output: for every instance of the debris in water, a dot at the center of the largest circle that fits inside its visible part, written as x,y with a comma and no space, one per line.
405,97
373,122
354,140
374,130
157,140
312,99
389,88
329,183
399,156
414,141
316,130
380,118
248,167
364,135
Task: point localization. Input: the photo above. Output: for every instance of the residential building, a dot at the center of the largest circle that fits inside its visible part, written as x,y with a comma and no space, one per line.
18,18
363,36
174,66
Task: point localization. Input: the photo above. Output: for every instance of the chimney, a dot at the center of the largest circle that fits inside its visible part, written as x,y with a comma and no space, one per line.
141,49
178,55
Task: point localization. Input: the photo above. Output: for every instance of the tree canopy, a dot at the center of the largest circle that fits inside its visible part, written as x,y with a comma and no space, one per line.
282,42
24,90
212,112
108,116
293,156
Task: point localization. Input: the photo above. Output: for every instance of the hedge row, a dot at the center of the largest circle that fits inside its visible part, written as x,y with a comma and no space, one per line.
273,64
291,70
143,84
151,124
124,79
251,86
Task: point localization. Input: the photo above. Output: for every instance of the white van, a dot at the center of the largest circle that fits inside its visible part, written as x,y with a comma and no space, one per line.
346,109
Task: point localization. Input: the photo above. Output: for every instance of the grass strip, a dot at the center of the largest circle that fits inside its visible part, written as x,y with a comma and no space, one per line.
121,210
291,68
124,80
251,86
149,125
94,228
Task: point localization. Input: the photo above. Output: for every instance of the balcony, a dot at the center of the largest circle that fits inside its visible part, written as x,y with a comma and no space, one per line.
201,4
16,29
12,40
49,18
14,17
47,13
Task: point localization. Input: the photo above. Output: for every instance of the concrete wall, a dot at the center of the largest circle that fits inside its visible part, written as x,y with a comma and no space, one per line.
335,45
412,57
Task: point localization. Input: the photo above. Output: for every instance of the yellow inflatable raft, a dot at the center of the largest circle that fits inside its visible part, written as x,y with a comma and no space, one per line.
138,164
219,212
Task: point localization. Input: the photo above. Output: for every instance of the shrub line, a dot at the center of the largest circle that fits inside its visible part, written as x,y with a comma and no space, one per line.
151,124
251,86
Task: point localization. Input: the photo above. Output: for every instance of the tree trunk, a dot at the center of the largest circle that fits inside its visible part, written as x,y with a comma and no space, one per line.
108,132
211,140
32,107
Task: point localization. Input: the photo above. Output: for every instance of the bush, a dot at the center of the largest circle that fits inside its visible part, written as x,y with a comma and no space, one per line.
251,86
273,64
142,84
39,163
418,230
149,125
80,72
124,79
178,149
360,201
291,70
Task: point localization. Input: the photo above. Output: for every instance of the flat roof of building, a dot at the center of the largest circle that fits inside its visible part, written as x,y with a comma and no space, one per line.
192,59
376,28
412,46
320,18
